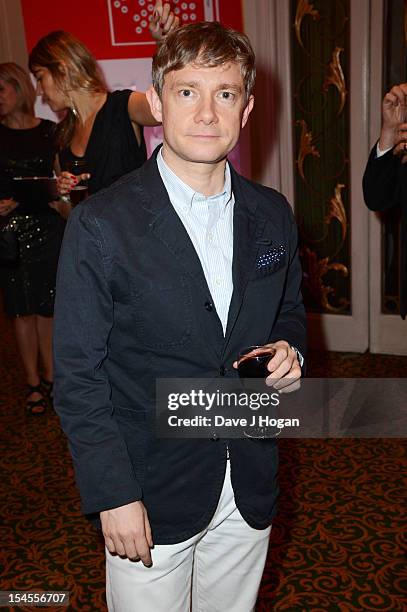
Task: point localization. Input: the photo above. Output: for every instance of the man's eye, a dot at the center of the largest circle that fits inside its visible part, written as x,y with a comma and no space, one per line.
227,95
186,93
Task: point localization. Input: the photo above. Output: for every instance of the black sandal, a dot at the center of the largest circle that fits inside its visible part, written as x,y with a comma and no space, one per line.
36,407
47,389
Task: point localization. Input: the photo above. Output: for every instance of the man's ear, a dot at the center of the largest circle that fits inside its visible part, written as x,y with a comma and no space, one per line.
248,109
155,104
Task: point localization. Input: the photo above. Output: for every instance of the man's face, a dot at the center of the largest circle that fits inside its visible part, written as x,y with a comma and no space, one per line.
202,111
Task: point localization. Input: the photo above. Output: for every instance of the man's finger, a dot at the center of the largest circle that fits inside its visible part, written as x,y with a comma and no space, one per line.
283,369
119,546
289,385
147,528
110,544
130,548
275,362
143,550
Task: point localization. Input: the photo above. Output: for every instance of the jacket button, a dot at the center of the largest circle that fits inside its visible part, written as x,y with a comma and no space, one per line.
214,437
208,306
222,371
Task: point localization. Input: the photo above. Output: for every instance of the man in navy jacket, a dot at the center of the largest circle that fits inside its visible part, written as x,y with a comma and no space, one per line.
385,177
169,273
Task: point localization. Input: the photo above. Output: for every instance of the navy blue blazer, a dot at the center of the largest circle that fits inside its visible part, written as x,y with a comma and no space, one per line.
132,305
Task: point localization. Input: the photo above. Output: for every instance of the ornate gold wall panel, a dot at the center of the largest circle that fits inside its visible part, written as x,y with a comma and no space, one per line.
320,72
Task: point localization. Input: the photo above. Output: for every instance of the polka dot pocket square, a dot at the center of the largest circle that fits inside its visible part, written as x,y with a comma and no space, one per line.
272,259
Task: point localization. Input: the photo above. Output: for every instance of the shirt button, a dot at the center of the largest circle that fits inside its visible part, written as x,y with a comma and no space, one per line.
218,281
208,306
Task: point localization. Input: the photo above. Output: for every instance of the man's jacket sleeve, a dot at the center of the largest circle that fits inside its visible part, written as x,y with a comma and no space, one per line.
382,181
83,321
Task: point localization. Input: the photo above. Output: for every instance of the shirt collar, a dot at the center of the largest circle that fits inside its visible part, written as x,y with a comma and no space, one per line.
182,192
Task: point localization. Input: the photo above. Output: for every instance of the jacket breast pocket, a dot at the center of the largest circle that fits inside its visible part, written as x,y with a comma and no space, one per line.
270,261
162,314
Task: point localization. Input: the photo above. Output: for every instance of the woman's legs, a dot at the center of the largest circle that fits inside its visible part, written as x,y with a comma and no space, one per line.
44,335
27,341
34,334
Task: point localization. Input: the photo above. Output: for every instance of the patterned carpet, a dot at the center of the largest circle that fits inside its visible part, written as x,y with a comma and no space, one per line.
338,543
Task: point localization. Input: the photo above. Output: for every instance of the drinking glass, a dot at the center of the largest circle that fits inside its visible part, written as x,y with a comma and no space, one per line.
252,361
80,191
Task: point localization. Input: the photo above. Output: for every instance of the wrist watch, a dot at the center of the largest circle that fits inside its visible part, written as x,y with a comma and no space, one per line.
298,355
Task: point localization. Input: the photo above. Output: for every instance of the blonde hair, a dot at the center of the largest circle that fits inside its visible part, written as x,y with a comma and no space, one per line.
72,67
16,76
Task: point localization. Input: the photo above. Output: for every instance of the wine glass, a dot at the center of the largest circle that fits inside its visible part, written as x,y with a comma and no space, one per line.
252,361
80,191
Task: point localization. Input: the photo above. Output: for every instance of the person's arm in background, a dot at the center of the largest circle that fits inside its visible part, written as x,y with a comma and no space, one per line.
7,205
162,21
381,184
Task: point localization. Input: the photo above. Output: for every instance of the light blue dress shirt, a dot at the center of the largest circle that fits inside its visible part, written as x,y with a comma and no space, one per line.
208,221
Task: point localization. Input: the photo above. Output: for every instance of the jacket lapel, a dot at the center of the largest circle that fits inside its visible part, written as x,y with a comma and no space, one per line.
248,229
167,226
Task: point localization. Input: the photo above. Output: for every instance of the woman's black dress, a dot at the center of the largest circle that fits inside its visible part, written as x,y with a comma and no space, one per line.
29,284
112,149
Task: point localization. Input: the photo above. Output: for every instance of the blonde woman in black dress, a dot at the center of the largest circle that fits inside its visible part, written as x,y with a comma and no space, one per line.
28,283
102,128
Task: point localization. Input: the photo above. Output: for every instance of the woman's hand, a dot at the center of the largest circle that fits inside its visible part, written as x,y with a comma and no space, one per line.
162,21
67,181
7,206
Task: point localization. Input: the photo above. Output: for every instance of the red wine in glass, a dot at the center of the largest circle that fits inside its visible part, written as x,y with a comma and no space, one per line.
252,361
78,193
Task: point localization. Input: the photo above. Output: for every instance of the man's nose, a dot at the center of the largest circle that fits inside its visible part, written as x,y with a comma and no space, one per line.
206,111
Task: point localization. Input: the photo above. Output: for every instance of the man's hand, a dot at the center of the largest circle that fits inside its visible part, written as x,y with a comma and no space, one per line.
127,531
285,371
394,113
284,367
7,206
162,21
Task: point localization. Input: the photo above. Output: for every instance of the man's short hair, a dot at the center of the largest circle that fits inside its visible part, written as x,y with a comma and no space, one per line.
209,44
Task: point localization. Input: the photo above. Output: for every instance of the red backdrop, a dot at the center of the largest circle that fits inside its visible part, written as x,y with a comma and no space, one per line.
108,26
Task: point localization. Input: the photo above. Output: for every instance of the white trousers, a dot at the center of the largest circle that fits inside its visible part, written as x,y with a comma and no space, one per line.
217,570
